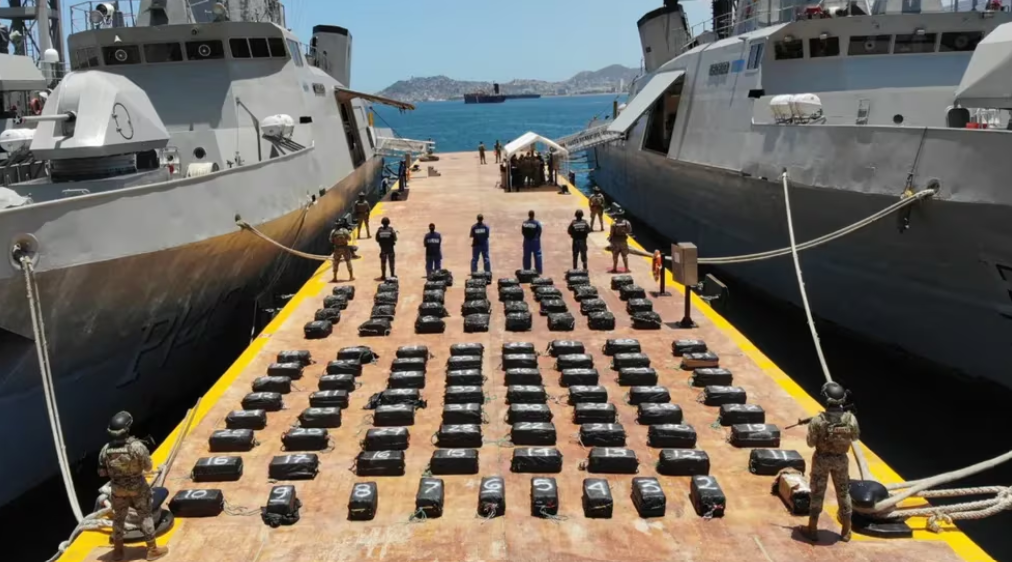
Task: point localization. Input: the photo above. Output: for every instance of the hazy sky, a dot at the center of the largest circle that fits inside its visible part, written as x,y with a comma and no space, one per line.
481,39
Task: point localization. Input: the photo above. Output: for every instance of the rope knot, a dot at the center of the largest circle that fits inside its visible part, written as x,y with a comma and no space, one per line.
936,521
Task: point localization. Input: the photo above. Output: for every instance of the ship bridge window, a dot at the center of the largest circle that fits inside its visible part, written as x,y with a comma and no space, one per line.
960,41
912,43
755,55
121,54
205,50
828,47
240,48
869,45
786,50
277,46
84,58
296,52
163,52
259,48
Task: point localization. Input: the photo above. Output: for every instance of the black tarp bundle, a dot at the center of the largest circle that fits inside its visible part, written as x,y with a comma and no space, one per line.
302,466
394,415
320,417
671,436
231,441
683,462
305,439
539,460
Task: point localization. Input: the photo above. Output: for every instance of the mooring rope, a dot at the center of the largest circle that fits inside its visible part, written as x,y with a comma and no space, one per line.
247,226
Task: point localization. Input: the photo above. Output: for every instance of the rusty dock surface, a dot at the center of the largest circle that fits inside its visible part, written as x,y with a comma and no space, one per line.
756,525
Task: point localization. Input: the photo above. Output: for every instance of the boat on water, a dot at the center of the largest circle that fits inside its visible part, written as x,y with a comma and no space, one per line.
173,124
495,96
862,103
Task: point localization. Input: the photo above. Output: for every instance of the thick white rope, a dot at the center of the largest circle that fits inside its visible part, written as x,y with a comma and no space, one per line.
824,238
937,515
862,463
41,349
247,226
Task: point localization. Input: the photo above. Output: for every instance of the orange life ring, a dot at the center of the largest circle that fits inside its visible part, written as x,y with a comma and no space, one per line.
657,268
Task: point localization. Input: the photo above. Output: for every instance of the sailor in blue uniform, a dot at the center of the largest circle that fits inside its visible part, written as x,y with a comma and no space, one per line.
531,229
433,250
479,245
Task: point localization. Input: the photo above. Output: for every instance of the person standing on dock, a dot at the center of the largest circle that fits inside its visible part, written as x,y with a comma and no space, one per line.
832,433
479,245
578,231
618,238
362,209
597,207
498,152
433,250
481,152
125,460
386,236
340,237
531,229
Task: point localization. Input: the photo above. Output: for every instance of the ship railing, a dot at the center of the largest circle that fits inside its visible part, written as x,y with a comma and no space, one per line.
764,15
389,144
316,57
589,138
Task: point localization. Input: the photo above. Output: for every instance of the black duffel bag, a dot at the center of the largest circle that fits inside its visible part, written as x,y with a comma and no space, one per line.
562,322
646,321
475,307
443,275
601,321
476,323
432,309
518,321
526,275
430,325
375,327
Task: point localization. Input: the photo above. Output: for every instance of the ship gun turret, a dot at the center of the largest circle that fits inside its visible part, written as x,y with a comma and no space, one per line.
97,125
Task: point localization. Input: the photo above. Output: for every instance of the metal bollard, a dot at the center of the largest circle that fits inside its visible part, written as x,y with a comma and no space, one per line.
684,266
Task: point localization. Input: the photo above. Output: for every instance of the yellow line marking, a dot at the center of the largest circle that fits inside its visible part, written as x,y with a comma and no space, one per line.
956,539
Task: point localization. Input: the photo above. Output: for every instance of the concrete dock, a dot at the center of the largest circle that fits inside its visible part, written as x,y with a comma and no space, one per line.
756,525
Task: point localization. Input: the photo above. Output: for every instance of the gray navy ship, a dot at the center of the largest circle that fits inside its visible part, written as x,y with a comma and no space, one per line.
173,122
862,103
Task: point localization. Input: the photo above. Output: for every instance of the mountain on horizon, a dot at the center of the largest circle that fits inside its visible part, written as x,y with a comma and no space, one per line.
610,79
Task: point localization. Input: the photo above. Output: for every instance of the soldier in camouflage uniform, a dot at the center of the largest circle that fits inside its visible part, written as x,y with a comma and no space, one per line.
618,238
596,207
340,237
362,210
831,433
125,460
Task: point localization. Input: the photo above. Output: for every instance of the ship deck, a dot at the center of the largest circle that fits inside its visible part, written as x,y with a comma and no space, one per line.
756,525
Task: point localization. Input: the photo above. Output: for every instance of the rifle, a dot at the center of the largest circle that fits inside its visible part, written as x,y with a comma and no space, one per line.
804,421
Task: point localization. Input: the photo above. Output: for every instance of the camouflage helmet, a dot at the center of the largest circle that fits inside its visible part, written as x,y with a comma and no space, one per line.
597,189
834,394
616,210
119,425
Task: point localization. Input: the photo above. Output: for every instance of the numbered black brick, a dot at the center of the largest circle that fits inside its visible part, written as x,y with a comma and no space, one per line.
231,441
406,379
648,497
716,395
594,412
621,361
328,417
462,414
454,461
386,439
408,364
305,439
364,501
492,497
526,394
337,382
540,460
528,413
266,401
300,356
544,496
533,433
197,503
582,394
465,377
523,376
518,348
692,361
614,346
329,398
400,396
755,435
579,377
246,419
769,462
602,435
612,460
648,394
574,361
380,463
597,500
429,499
460,362
459,436
731,414
300,466
345,367
681,347
291,369
671,436
707,497
683,462
565,347
520,361
711,376
217,469
463,395
637,376
469,348
394,415
651,414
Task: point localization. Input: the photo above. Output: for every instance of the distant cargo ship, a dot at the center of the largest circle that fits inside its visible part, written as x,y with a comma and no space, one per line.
495,97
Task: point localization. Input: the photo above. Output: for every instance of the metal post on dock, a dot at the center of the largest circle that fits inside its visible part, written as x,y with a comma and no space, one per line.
684,266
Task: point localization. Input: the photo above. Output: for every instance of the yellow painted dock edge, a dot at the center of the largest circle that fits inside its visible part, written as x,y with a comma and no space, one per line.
956,539
82,547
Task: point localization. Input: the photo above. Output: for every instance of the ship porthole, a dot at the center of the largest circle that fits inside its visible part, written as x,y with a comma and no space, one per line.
199,153
898,119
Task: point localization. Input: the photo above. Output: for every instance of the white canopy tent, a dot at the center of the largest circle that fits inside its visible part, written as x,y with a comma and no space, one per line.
524,142
529,139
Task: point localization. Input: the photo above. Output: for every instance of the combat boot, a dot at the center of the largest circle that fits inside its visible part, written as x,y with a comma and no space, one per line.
845,530
117,550
812,531
155,552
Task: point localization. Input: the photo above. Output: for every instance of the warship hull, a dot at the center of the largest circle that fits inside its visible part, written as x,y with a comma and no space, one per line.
135,332
941,290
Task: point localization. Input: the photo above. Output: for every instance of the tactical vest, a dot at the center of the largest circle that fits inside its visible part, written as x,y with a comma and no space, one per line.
385,237
122,464
340,238
529,229
580,229
596,201
361,208
619,231
837,435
